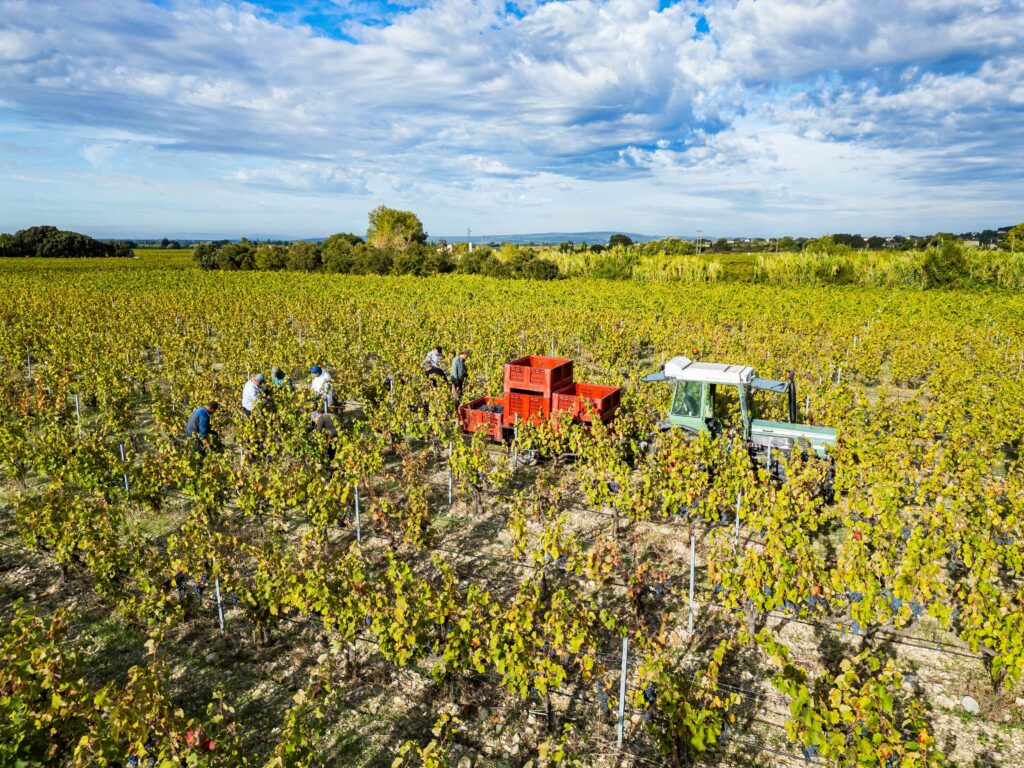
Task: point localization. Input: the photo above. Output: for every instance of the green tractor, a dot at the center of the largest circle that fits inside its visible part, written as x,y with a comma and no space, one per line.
705,393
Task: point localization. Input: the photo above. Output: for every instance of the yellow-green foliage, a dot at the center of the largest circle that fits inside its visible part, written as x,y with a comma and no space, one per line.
997,268
947,264
686,269
631,264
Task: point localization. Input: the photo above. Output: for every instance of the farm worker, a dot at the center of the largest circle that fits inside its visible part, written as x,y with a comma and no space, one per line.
459,375
279,380
432,363
324,423
197,430
251,393
321,386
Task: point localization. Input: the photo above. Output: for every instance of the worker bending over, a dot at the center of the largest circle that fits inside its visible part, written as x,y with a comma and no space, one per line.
432,363
251,393
197,430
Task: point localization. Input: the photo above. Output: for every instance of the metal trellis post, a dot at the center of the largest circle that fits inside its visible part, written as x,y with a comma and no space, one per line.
693,550
125,474
622,691
359,531
220,605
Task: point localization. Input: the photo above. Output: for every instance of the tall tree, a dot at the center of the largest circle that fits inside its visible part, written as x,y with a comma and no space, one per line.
390,228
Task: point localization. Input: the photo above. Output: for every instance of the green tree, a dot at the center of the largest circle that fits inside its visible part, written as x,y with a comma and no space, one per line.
271,257
338,252
205,255
1015,237
368,260
623,240
304,256
390,228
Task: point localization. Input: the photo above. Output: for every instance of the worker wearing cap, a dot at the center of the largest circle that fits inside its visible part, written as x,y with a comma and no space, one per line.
251,393
321,386
459,375
197,430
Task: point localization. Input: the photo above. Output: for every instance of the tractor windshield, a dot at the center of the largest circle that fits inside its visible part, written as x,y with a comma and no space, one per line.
686,401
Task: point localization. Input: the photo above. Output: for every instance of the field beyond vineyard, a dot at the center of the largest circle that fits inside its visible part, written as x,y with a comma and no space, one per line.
269,606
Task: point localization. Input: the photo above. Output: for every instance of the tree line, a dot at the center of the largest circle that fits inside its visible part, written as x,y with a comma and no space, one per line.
53,243
395,244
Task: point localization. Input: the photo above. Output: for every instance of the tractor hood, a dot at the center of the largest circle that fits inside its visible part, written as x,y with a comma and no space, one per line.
784,436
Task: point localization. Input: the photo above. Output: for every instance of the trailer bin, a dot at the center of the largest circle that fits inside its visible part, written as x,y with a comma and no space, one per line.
527,406
542,375
587,402
483,413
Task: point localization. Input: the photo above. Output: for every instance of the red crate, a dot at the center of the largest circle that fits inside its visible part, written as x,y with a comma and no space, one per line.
587,401
528,406
471,418
534,373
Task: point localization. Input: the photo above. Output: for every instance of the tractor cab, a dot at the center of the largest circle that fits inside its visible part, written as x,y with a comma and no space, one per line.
707,397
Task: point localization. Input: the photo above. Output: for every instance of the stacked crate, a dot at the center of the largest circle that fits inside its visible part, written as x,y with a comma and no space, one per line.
530,383
537,388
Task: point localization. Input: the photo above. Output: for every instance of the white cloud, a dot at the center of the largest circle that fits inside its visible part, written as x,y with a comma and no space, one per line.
461,108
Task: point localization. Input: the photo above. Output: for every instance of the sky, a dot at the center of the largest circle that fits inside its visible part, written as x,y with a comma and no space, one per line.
141,118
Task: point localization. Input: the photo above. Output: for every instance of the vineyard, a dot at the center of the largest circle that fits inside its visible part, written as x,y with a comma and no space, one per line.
585,595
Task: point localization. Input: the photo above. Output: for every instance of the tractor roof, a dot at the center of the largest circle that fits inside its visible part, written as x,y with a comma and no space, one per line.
683,369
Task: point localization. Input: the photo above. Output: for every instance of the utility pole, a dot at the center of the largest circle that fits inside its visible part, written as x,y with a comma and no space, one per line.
700,233
469,234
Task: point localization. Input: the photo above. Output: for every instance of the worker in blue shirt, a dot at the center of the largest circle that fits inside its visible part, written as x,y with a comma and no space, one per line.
197,430
280,380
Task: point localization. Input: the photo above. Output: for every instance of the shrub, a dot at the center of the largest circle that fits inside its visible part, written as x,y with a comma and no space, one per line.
613,265
944,264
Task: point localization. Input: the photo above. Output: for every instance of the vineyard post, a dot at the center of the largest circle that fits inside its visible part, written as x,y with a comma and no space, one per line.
359,531
552,345
29,353
78,413
807,407
451,476
216,592
736,535
693,549
241,458
125,474
622,691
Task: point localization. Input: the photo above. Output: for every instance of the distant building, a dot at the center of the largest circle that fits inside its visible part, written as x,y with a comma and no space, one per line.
972,243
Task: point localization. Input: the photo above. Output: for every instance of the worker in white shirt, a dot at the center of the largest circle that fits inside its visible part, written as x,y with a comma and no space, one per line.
321,386
251,393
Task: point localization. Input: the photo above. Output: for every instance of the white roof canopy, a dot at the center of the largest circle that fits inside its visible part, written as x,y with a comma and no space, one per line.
683,369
